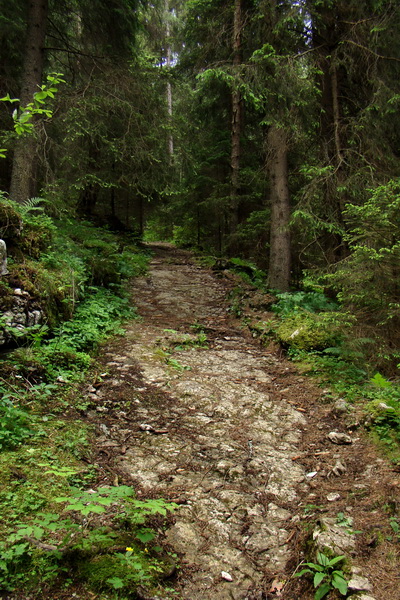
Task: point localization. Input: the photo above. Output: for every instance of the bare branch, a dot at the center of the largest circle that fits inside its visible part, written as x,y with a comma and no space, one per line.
381,56
68,51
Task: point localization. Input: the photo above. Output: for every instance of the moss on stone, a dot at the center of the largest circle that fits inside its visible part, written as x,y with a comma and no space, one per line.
308,331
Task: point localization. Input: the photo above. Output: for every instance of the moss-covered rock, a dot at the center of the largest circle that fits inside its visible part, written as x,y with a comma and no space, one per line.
308,331
10,223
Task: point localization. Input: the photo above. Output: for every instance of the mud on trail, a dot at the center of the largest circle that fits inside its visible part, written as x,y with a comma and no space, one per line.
231,432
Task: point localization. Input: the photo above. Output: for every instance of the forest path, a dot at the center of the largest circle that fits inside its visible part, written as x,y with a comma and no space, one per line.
217,427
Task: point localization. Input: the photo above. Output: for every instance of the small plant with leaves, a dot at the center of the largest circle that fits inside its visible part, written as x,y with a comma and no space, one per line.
77,530
325,576
15,424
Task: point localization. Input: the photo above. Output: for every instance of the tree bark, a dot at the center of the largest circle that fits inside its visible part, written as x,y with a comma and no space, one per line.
236,122
23,177
169,87
280,252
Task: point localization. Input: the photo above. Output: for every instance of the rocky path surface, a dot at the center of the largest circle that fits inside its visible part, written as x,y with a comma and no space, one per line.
214,424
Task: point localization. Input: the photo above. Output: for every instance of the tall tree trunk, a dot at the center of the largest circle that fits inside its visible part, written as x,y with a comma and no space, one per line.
236,123
279,253
23,177
169,87
326,40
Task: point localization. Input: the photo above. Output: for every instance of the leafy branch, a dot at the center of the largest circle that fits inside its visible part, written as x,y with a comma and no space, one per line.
23,117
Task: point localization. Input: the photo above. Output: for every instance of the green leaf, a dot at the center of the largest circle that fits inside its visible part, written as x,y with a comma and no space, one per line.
318,577
335,560
322,591
303,572
93,508
8,99
145,536
379,381
322,559
339,583
38,532
314,567
77,506
116,582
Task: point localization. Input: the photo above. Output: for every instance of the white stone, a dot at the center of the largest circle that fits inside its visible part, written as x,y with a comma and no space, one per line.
359,584
333,497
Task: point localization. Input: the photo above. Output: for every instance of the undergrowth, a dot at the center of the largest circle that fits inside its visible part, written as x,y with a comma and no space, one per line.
326,343
59,526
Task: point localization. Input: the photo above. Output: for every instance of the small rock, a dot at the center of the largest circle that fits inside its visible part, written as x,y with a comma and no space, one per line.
359,584
363,597
340,407
384,406
146,427
226,576
329,535
333,497
295,519
104,429
339,468
312,474
339,438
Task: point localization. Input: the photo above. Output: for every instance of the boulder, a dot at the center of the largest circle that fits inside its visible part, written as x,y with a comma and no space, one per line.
3,258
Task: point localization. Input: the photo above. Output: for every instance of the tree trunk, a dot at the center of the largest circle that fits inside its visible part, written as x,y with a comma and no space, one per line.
23,177
279,253
326,40
169,87
236,123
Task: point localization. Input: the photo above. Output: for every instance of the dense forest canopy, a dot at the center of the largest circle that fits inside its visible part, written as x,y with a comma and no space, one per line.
264,130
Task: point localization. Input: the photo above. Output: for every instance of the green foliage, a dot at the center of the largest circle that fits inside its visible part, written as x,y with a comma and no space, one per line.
304,330
248,271
314,302
94,319
24,116
366,282
380,382
186,341
325,577
66,535
13,561
15,423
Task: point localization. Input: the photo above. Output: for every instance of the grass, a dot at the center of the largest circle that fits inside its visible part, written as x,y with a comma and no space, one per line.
78,277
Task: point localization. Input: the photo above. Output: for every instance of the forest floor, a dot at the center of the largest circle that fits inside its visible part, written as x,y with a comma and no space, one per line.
232,432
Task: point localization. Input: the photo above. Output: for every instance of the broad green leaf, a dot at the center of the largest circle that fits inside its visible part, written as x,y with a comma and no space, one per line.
318,577
335,560
145,536
93,508
322,559
77,506
314,566
116,582
322,591
339,583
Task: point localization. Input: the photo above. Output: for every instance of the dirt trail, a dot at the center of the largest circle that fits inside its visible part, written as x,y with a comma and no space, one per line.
217,428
